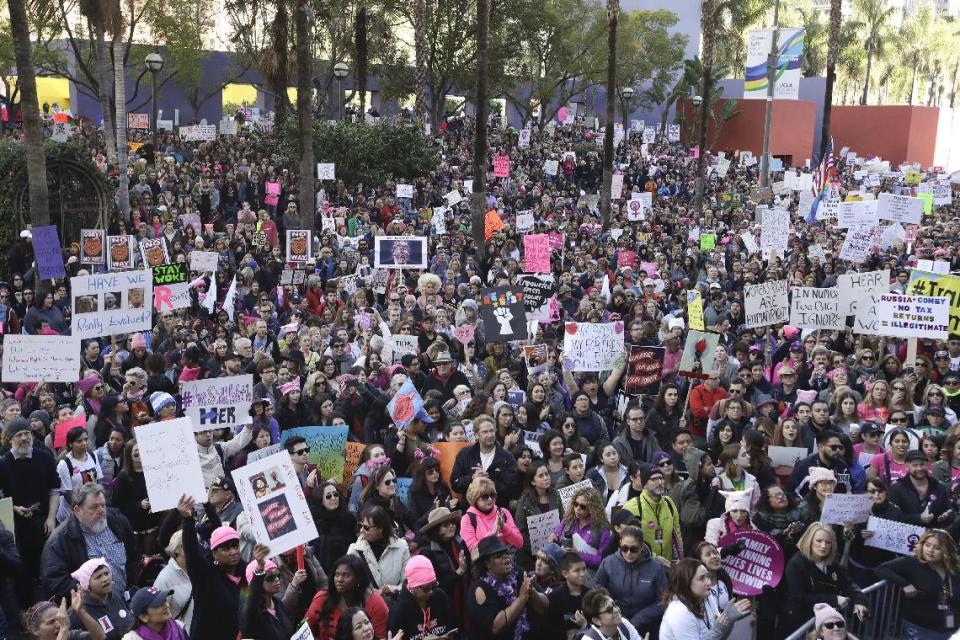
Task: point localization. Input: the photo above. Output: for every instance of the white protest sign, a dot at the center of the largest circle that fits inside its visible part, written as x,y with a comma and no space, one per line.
439,221
775,230
902,209
228,127
673,133
404,190
805,182
649,135
540,527
894,536
29,358
855,214
453,198
171,464
814,308
403,345
272,497
786,456
327,170
525,221
766,304
749,242
303,633
855,286
218,402
106,304
866,321
858,243
170,297
550,167
204,261
840,508
903,316
891,235
616,186
523,140
723,165
816,252
566,494
592,346
827,210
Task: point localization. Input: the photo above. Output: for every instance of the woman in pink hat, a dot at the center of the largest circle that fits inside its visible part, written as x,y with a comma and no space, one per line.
422,608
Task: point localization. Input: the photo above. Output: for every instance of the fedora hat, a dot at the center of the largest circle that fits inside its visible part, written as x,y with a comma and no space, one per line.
437,517
490,546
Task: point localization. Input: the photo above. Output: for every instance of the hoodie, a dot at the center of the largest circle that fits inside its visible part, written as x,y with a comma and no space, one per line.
698,498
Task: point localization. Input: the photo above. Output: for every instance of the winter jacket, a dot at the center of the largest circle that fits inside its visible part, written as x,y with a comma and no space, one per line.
476,525
701,401
387,570
173,578
336,530
216,597
502,470
902,494
699,500
624,445
924,610
407,616
256,623
806,585
636,586
797,480
598,476
679,623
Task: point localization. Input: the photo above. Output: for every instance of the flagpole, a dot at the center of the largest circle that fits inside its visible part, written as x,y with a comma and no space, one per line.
772,62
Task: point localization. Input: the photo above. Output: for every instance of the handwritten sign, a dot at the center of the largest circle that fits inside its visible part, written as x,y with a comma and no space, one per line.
856,286
786,456
695,309
501,166
326,171
813,308
536,253
592,346
273,499
765,304
540,527
138,121
550,167
902,209
840,508
566,493
644,370
403,345
525,221
29,358
759,565
171,464
913,316
218,402
326,448
856,214
464,333
858,243
106,304
170,274
47,251
204,261
775,230
924,283
352,451
405,191
897,537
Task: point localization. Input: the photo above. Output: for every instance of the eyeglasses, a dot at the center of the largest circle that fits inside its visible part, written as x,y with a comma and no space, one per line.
487,496
778,496
899,388
839,624
837,447
302,452
629,548
367,527
610,608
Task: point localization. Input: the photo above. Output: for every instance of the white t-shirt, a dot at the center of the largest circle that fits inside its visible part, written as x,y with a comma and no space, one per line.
486,459
84,472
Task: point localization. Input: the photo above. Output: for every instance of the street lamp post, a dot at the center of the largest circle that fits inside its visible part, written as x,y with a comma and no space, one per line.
772,62
627,94
699,114
154,62
340,71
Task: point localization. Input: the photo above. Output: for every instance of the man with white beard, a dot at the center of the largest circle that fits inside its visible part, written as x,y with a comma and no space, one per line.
91,531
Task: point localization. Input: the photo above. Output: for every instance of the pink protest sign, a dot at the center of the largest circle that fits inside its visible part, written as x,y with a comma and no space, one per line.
61,430
556,240
694,152
464,333
501,166
536,251
626,258
562,115
273,193
758,565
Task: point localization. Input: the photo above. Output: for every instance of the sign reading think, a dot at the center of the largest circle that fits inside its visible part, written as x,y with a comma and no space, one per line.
29,358
592,346
903,316
766,304
218,402
813,308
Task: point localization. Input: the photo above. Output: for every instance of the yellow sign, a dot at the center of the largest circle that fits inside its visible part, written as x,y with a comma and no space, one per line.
938,285
912,178
134,146
695,310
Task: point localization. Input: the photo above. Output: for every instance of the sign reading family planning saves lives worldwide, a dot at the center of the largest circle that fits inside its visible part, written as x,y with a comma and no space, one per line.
218,403
913,316
592,346
106,304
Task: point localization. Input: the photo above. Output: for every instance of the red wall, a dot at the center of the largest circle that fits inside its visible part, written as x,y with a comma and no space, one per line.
898,133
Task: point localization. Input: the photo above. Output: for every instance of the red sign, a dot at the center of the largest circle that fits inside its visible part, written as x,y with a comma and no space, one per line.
501,166
138,120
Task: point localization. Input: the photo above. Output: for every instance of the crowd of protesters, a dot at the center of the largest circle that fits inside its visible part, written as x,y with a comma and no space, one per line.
638,553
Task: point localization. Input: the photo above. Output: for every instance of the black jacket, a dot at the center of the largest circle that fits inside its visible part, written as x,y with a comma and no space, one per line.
443,564
446,387
503,472
216,597
923,610
902,494
66,550
256,623
336,530
806,585
407,616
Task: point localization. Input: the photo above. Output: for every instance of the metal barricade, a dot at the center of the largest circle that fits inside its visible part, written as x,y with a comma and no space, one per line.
884,622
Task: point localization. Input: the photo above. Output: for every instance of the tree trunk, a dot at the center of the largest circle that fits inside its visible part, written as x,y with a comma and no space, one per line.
120,96
363,59
956,78
278,80
478,199
866,80
708,28
105,77
613,11
833,52
30,108
304,24
420,53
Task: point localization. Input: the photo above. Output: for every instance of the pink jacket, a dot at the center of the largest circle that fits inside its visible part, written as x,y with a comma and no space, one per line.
509,533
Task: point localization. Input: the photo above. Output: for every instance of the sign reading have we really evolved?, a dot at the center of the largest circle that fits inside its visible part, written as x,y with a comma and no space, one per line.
106,304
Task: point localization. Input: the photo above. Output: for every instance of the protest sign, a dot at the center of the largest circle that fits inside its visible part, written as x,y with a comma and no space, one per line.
405,191
92,243
120,253
592,346
673,133
923,283
106,304
400,252
858,243
154,252
856,214
699,348
786,456
402,345
204,261
61,429
866,321
352,452
47,252
170,297
695,310
902,209
453,198
898,537
536,253
501,166
840,508
775,230
218,402
525,221
904,316
299,245
405,406
138,121
41,358
540,527
708,241
814,308
765,304
464,333
257,454
536,295
171,464
503,314
304,632
523,139
636,211
550,167
170,274
855,286
448,455
326,171
536,358
566,493
273,499
326,448
616,186
758,566
644,370
403,490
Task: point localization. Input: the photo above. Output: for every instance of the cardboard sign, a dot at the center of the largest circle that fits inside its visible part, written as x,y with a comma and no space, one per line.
856,286
108,304
61,429
766,304
536,253
814,308
327,446
503,314
540,527
566,493
138,121
326,171
47,252
405,191
759,565
154,252
92,244
402,345
902,209
273,499
501,166
592,346
644,370
171,465
464,333
204,261
218,402
28,358
904,316
400,252
299,245
858,243
786,456
775,230
890,535
840,508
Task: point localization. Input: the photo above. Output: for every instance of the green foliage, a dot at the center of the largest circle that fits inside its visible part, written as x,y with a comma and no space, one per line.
367,154
719,110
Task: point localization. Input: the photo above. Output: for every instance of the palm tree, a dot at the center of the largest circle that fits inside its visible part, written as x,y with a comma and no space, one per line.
96,12
478,199
732,20
120,97
30,108
613,12
420,54
833,52
361,53
815,32
875,17
303,25
708,31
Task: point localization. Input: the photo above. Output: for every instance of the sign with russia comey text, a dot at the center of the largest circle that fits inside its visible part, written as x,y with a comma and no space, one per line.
913,316
218,402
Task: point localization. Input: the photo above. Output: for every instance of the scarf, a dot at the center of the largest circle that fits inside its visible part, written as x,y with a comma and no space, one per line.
507,590
170,631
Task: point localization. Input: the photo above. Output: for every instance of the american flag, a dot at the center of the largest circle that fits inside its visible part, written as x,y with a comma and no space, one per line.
821,180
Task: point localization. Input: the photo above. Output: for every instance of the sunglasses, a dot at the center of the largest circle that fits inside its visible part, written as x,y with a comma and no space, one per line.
867,358
390,481
302,452
839,624
665,463
626,548
487,496
837,447
272,577
899,420
367,527
331,496
580,505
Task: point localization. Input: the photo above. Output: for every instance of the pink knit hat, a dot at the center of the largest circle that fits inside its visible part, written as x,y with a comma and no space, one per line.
790,332
138,341
86,571
189,374
419,571
818,474
293,385
221,535
822,612
252,567
88,383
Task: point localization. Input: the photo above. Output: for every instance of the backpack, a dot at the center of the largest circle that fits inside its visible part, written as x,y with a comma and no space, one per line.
66,459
